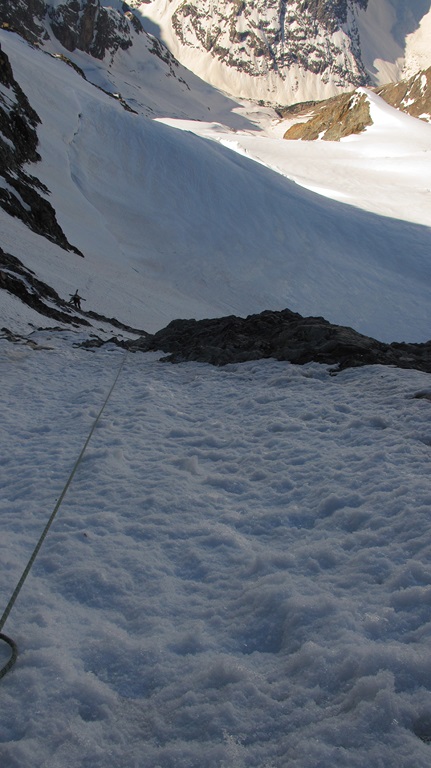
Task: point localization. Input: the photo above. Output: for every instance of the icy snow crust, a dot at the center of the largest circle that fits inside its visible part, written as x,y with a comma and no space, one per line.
239,574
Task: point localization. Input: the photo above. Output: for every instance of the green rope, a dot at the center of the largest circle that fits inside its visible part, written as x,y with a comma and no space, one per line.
27,569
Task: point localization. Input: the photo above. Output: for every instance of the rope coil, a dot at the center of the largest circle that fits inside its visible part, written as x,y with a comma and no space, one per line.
13,657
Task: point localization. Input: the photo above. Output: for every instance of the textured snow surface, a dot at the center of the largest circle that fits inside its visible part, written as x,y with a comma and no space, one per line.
239,574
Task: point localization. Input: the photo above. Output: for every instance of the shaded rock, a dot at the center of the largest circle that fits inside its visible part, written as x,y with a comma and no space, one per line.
83,24
283,335
17,338
23,195
21,282
90,27
25,17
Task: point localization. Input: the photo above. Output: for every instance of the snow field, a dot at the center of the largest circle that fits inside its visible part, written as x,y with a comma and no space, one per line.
175,225
239,574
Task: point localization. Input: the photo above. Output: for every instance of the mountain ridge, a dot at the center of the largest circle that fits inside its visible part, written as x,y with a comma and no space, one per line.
276,52
349,113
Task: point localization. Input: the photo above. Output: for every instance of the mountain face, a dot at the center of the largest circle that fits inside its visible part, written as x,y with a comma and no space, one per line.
261,37
21,194
291,51
274,50
82,24
280,52
91,26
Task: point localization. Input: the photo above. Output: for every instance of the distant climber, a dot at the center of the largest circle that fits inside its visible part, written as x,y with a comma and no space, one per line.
76,299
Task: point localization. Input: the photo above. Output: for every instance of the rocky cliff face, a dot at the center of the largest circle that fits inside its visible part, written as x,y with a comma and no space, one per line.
88,26
83,24
264,35
23,195
281,39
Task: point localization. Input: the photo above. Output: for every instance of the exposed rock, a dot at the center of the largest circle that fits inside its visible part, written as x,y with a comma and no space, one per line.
257,37
21,194
412,96
88,26
83,24
333,119
349,113
21,282
93,26
281,335
17,338
25,17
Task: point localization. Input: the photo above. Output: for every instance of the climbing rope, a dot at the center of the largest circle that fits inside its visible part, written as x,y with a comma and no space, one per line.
27,569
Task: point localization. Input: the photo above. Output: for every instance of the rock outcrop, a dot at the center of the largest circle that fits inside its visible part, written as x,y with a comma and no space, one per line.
412,96
21,194
21,282
88,26
349,113
333,119
83,24
283,335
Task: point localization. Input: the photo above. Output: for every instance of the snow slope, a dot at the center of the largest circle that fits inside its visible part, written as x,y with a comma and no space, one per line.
418,54
172,224
395,38
239,575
